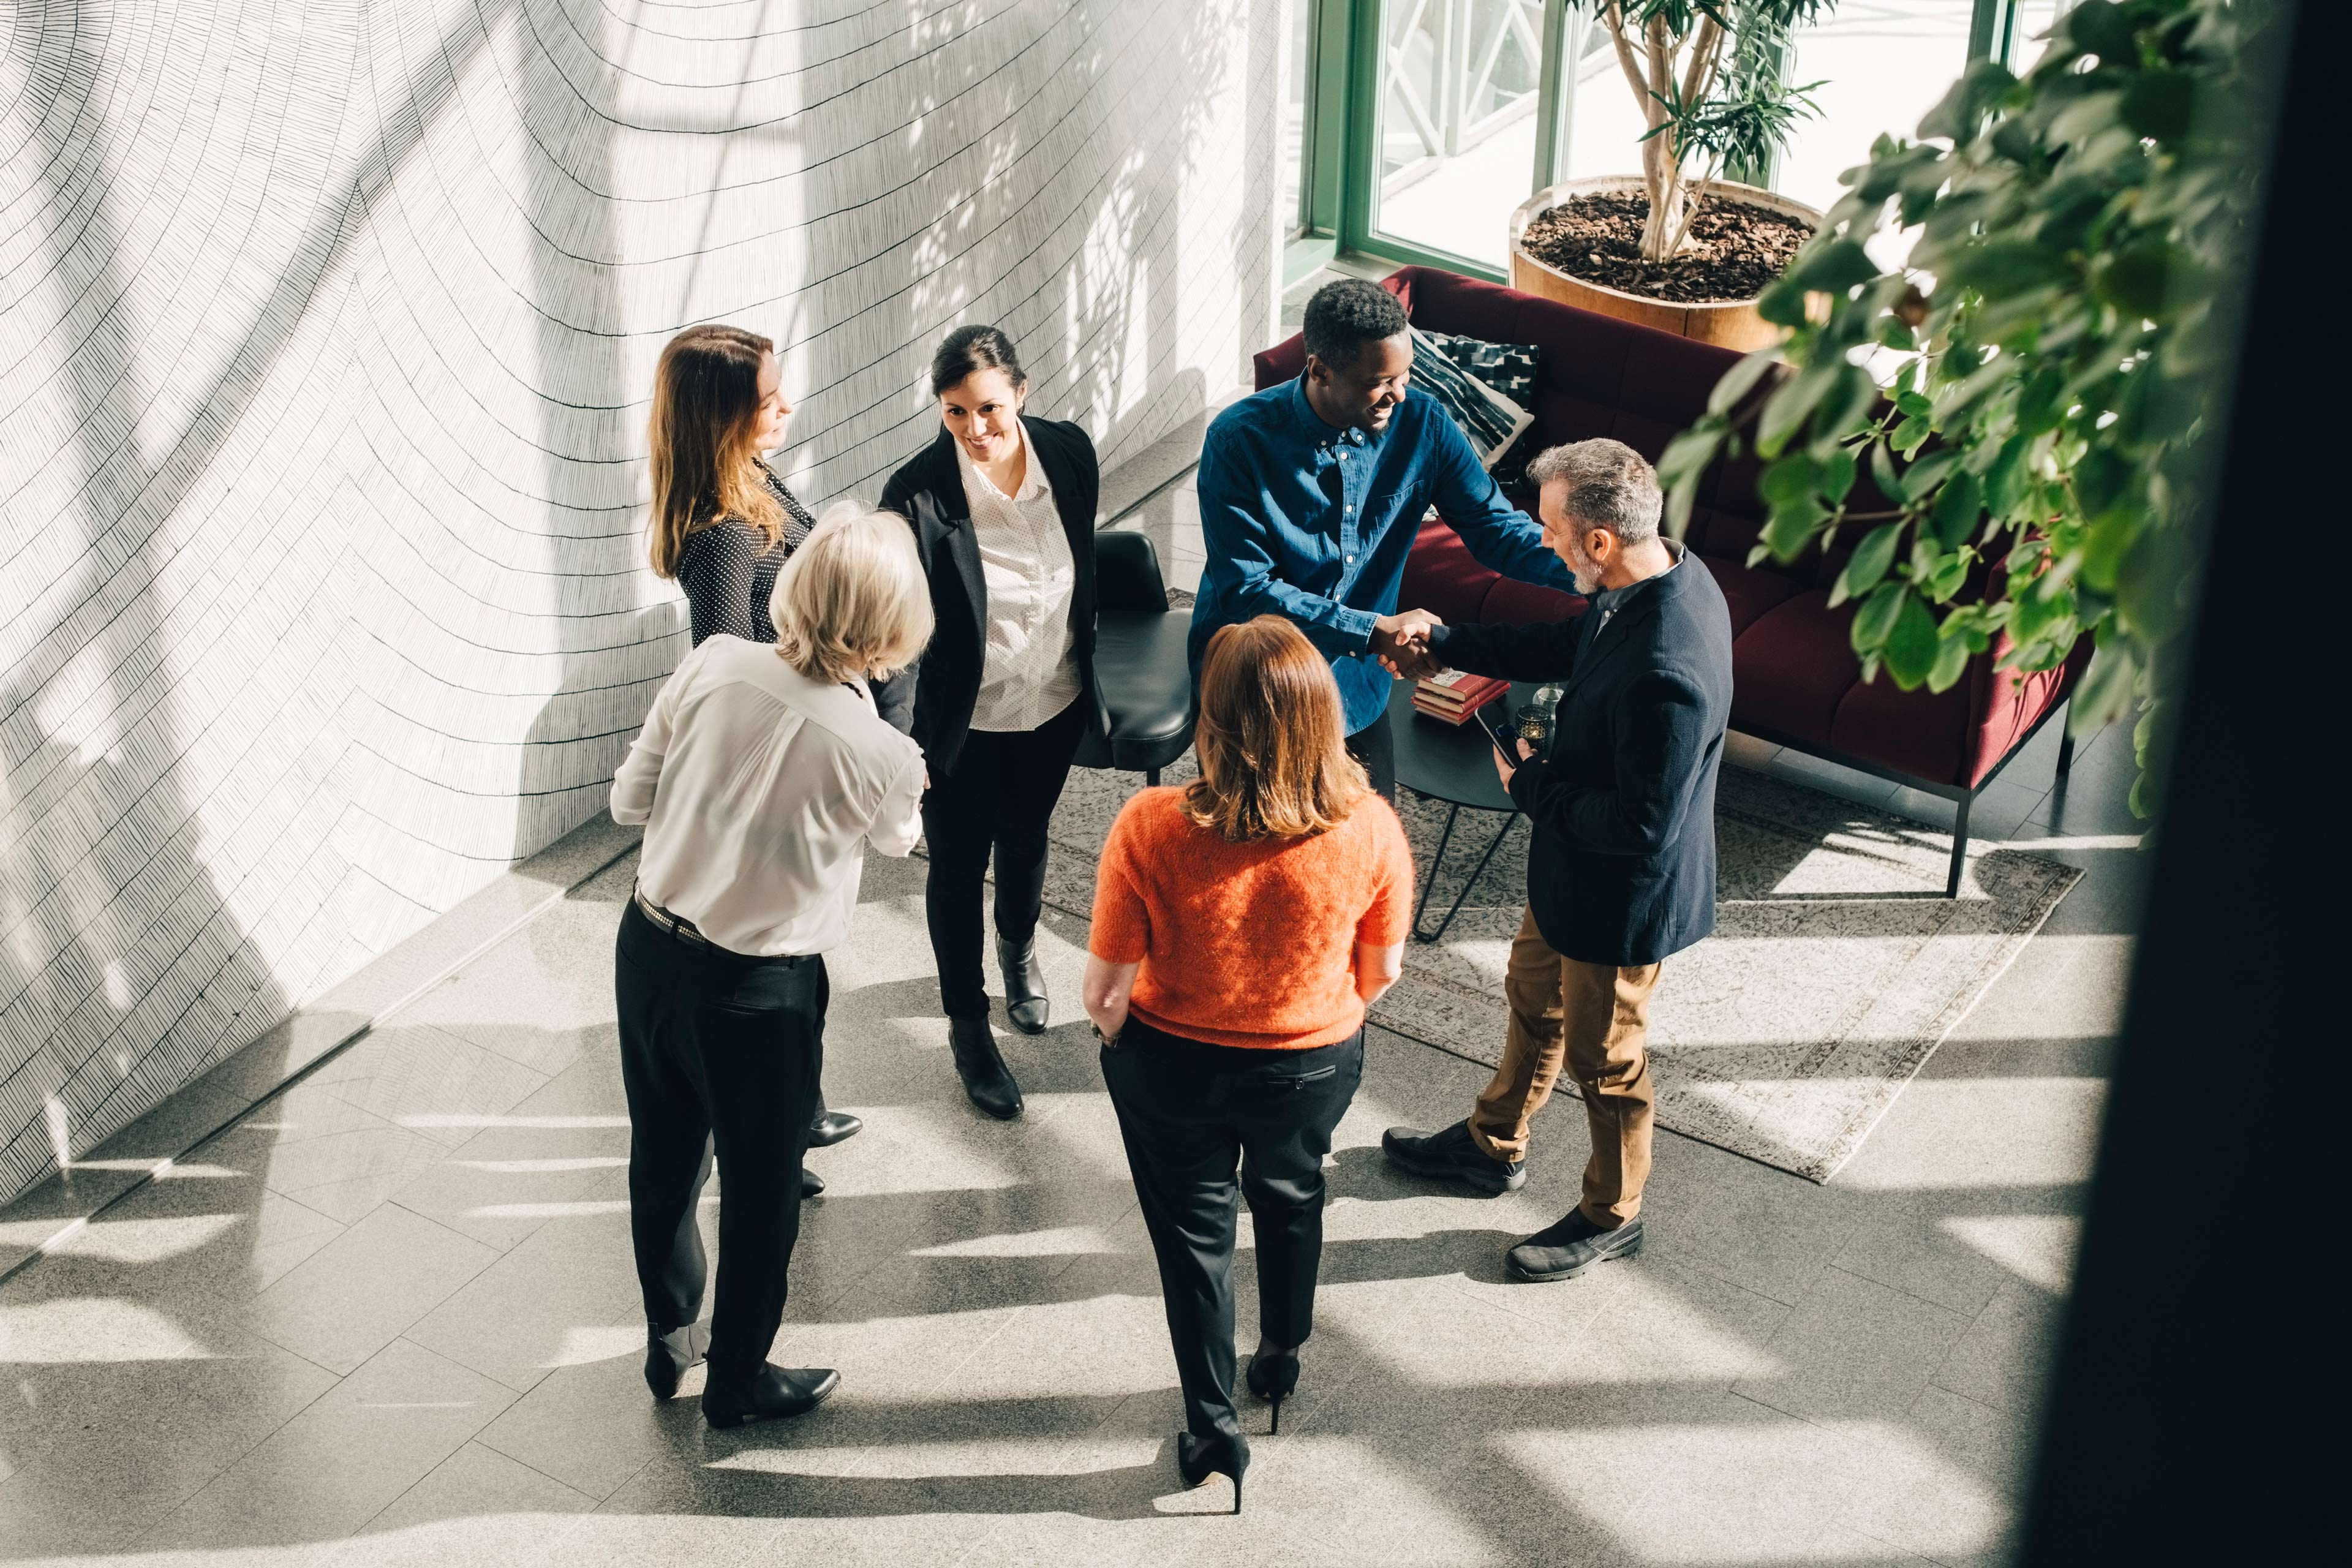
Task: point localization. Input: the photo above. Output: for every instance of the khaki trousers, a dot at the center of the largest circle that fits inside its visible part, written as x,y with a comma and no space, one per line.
1593,1019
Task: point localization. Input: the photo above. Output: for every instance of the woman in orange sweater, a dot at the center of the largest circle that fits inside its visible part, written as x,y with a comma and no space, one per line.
1242,925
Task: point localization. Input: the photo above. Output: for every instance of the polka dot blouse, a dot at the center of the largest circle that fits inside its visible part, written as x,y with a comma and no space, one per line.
728,574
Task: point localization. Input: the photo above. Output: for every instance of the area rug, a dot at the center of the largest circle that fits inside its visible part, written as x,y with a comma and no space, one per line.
1835,969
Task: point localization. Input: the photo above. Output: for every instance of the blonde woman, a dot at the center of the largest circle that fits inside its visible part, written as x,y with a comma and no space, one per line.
723,524
1242,925
761,776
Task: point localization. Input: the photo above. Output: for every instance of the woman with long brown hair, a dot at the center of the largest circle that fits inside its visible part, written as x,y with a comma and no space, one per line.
1243,923
723,521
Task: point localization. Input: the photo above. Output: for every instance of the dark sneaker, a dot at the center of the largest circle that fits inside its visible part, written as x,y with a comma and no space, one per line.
1448,1155
1571,1246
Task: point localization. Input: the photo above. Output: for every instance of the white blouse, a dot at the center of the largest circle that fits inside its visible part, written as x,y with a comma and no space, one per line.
1029,670
760,790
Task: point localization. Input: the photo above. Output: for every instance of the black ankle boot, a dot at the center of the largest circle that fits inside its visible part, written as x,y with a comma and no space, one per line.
769,1393
1198,1459
670,1353
1025,989
1273,1375
985,1077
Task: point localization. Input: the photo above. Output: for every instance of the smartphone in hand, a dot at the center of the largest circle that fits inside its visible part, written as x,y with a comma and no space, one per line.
1495,720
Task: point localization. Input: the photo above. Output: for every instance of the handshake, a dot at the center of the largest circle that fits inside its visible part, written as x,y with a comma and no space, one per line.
1400,642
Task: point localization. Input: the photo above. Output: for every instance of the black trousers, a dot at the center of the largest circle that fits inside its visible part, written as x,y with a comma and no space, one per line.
999,799
720,1054
1374,745
1189,1113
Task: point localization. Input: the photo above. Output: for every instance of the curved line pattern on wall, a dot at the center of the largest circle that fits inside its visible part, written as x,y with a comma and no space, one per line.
327,327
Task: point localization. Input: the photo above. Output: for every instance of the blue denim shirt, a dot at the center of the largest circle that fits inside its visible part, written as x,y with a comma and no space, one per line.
1304,520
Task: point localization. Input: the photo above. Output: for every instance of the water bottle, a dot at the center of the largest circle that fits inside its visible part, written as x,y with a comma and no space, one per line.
1536,718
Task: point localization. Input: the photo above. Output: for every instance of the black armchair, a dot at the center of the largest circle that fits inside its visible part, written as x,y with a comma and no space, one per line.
1141,673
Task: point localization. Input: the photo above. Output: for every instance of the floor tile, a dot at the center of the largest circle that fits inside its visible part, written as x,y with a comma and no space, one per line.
1853,1349
1945,1482
104,1448
344,1459
2003,1359
427,1079
345,1302
475,1482
563,1151
565,1295
538,997
594,1425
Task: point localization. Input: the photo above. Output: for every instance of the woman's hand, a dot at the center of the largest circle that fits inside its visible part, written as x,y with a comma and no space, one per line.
1377,969
1104,993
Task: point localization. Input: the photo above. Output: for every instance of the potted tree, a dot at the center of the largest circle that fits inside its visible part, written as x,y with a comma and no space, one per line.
1681,246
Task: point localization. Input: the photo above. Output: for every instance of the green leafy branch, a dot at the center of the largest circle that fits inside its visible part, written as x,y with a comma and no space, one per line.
2053,337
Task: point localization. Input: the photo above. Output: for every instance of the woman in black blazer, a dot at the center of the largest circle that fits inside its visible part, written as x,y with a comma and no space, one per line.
1002,507
723,522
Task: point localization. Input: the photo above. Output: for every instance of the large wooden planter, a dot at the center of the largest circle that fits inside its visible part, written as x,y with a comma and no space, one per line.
1732,325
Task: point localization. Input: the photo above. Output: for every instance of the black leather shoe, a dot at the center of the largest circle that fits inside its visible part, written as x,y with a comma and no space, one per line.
1024,988
812,1185
1448,1155
833,1127
670,1353
1569,1247
772,1394
985,1077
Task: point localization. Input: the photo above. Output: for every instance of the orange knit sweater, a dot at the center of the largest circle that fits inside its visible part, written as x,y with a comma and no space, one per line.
1248,944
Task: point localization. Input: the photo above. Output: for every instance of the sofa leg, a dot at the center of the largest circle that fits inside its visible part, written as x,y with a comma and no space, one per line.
1959,846
1151,778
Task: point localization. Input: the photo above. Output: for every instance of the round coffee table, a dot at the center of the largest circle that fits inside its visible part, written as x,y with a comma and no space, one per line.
1453,764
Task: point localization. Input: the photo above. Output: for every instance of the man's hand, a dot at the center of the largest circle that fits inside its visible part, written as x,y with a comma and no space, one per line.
1400,642
1504,772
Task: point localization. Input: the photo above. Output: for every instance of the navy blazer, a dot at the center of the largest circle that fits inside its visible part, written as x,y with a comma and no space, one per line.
1622,868
932,699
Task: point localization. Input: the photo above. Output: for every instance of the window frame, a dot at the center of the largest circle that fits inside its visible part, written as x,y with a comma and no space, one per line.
1341,144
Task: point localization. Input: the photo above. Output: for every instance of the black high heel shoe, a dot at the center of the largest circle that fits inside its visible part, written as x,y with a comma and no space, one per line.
1272,1375
1198,1459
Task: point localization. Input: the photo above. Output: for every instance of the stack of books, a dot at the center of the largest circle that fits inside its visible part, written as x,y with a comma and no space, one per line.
1456,694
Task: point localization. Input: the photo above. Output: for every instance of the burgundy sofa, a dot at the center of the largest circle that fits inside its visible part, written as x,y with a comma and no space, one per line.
1796,681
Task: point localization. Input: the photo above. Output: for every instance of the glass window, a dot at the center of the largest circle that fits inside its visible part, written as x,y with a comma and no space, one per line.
1604,121
1882,64
1456,130
2035,17
1297,112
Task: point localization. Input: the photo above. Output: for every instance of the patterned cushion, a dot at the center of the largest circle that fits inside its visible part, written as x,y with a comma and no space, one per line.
1508,368
1491,420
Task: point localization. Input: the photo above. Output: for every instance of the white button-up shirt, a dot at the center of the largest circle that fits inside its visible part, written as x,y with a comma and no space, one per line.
1029,672
760,790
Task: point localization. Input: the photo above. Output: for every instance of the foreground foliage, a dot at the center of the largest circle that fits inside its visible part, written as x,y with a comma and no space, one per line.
2062,324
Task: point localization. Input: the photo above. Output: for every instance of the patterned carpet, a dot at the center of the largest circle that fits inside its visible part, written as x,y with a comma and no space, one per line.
1836,966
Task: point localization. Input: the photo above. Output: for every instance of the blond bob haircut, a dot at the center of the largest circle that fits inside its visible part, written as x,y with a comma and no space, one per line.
852,600
1272,740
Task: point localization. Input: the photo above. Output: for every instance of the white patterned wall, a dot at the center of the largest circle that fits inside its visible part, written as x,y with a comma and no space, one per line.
325,333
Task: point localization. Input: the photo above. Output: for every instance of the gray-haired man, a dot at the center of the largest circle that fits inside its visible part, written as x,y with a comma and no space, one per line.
1620,869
